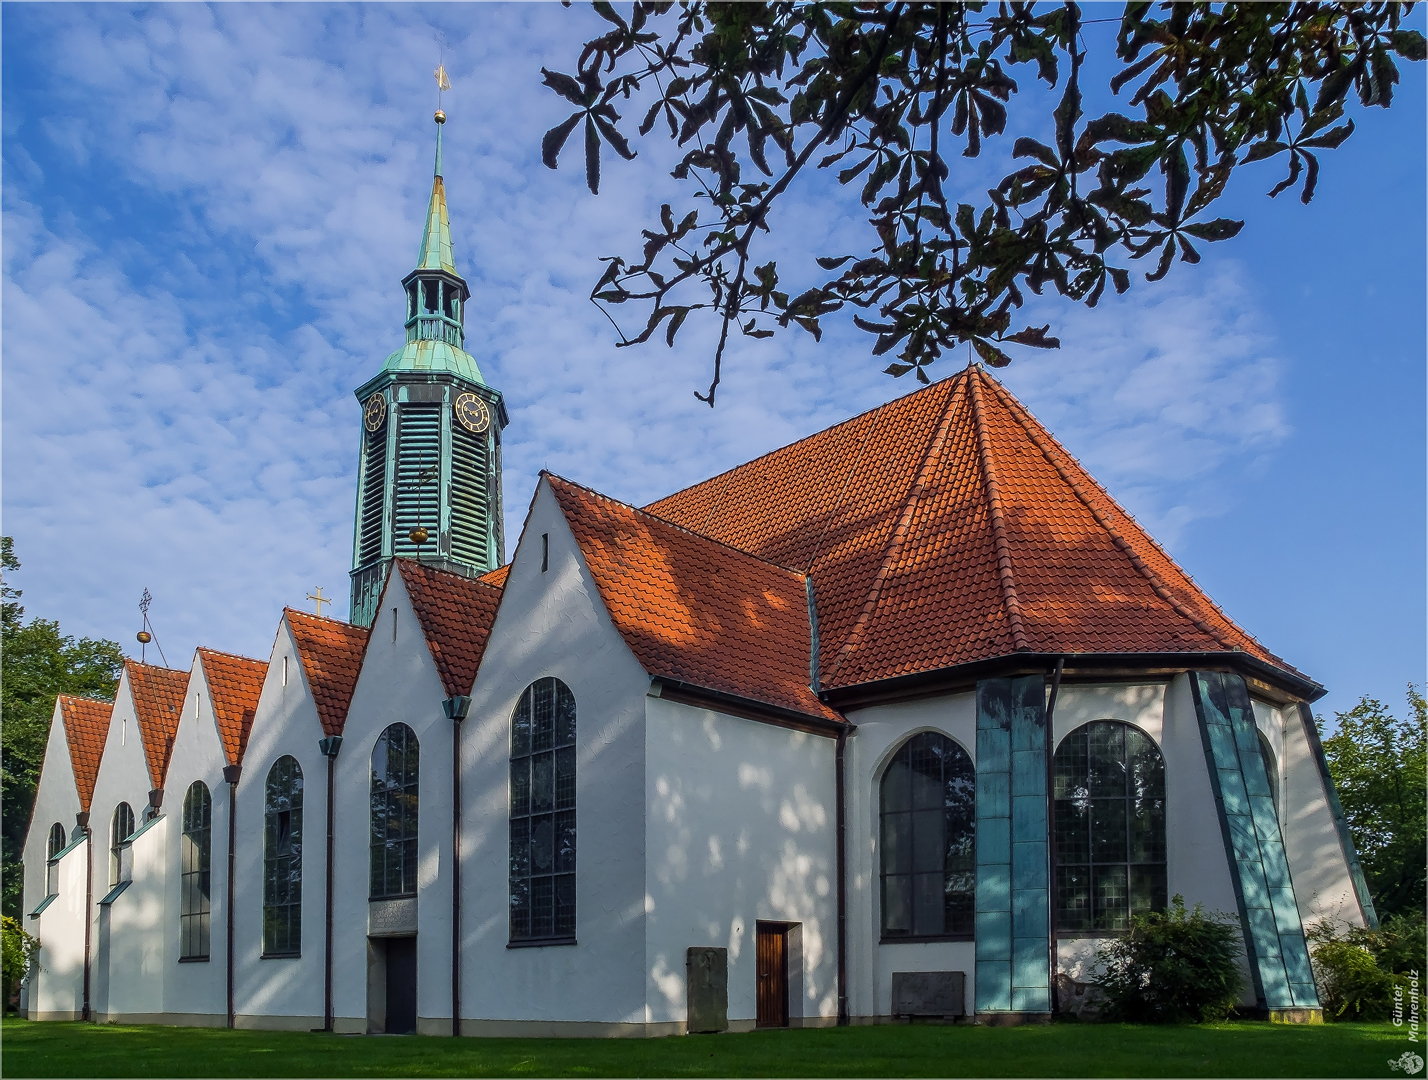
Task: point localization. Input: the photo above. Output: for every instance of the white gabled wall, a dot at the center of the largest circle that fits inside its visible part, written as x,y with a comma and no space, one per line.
554,623
123,777
56,987
398,683
283,993
56,802
195,992
741,826
134,929
881,730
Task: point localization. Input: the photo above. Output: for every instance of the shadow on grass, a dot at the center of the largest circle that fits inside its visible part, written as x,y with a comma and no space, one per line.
1228,1050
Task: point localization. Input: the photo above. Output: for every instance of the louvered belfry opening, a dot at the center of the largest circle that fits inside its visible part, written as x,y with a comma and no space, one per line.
418,502
469,471
374,483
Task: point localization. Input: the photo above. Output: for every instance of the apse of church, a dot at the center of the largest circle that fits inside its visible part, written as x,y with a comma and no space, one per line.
429,475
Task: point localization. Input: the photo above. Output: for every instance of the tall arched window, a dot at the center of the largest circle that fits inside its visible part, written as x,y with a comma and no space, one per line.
282,859
1110,827
1271,769
121,827
56,842
195,872
929,855
543,813
394,814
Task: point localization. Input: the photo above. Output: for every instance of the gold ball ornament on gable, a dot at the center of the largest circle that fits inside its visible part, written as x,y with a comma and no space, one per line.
143,637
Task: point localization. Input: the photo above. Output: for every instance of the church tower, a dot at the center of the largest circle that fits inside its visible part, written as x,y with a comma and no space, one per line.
429,478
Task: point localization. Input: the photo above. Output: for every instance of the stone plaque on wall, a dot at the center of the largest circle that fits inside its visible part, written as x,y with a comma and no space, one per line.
929,993
392,918
707,989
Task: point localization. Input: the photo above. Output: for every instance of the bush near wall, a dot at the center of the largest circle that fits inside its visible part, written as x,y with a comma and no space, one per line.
1174,966
19,950
1357,970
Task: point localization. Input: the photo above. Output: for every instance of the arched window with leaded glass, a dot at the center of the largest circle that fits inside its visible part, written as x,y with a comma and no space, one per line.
195,872
542,815
121,827
395,763
282,859
928,840
1110,827
56,841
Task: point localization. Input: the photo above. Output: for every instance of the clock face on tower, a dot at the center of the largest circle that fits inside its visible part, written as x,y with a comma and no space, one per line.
472,413
374,413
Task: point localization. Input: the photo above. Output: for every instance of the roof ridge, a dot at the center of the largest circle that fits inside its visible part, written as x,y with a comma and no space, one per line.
230,655
899,535
1005,571
324,618
152,667
675,525
805,438
1156,584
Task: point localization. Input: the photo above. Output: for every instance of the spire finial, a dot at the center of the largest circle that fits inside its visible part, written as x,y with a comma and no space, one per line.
442,85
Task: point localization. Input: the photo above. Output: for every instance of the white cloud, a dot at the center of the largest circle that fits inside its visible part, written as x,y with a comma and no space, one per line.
178,377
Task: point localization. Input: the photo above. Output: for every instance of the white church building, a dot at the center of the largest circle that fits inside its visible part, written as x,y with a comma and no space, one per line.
903,719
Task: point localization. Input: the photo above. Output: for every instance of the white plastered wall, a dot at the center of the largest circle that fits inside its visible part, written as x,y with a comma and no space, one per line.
398,683
881,729
281,993
1318,866
56,802
133,931
554,623
123,777
741,826
195,991
56,988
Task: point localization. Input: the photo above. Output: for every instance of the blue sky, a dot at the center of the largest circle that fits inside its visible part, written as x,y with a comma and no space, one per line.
207,212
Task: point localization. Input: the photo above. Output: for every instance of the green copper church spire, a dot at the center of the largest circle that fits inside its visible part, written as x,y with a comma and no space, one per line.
429,479
436,238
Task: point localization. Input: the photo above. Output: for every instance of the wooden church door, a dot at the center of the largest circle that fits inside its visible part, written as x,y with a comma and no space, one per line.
401,986
771,954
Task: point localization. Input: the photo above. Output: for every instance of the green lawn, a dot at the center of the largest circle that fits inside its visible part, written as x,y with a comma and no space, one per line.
1236,1049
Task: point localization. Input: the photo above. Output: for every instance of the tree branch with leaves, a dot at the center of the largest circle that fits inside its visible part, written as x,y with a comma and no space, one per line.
751,92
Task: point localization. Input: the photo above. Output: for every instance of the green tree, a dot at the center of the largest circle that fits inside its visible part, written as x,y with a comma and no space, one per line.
754,90
38,663
1379,767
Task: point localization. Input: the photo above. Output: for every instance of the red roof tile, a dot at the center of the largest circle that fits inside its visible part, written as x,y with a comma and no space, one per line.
158,694
497,577
455,614
331,653
949,526
234,685
695,610
86,726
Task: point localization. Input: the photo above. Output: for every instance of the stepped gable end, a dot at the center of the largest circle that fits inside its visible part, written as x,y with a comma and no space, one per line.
331,654
455,614
158,694
86,726
694,610
234,685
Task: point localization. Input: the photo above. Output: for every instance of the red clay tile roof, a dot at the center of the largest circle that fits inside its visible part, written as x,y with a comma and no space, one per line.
948,526
497,577
234,685
695,610
331,653
86,726
158,694
455,614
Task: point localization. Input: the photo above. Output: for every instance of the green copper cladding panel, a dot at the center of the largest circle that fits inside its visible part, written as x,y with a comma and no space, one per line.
1274,933
1013,944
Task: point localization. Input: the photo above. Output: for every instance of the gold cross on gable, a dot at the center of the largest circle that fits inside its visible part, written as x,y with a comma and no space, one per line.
317,598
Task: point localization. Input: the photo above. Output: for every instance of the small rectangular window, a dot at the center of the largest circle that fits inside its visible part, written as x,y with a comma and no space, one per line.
544,552
285,671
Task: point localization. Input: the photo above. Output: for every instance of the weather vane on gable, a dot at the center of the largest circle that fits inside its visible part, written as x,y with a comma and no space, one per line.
146,630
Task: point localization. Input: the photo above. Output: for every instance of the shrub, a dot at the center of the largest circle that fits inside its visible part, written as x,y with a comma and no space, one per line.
1357,969
19,950
1174,966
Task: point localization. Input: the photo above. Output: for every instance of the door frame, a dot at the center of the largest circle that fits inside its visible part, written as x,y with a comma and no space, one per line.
762,928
